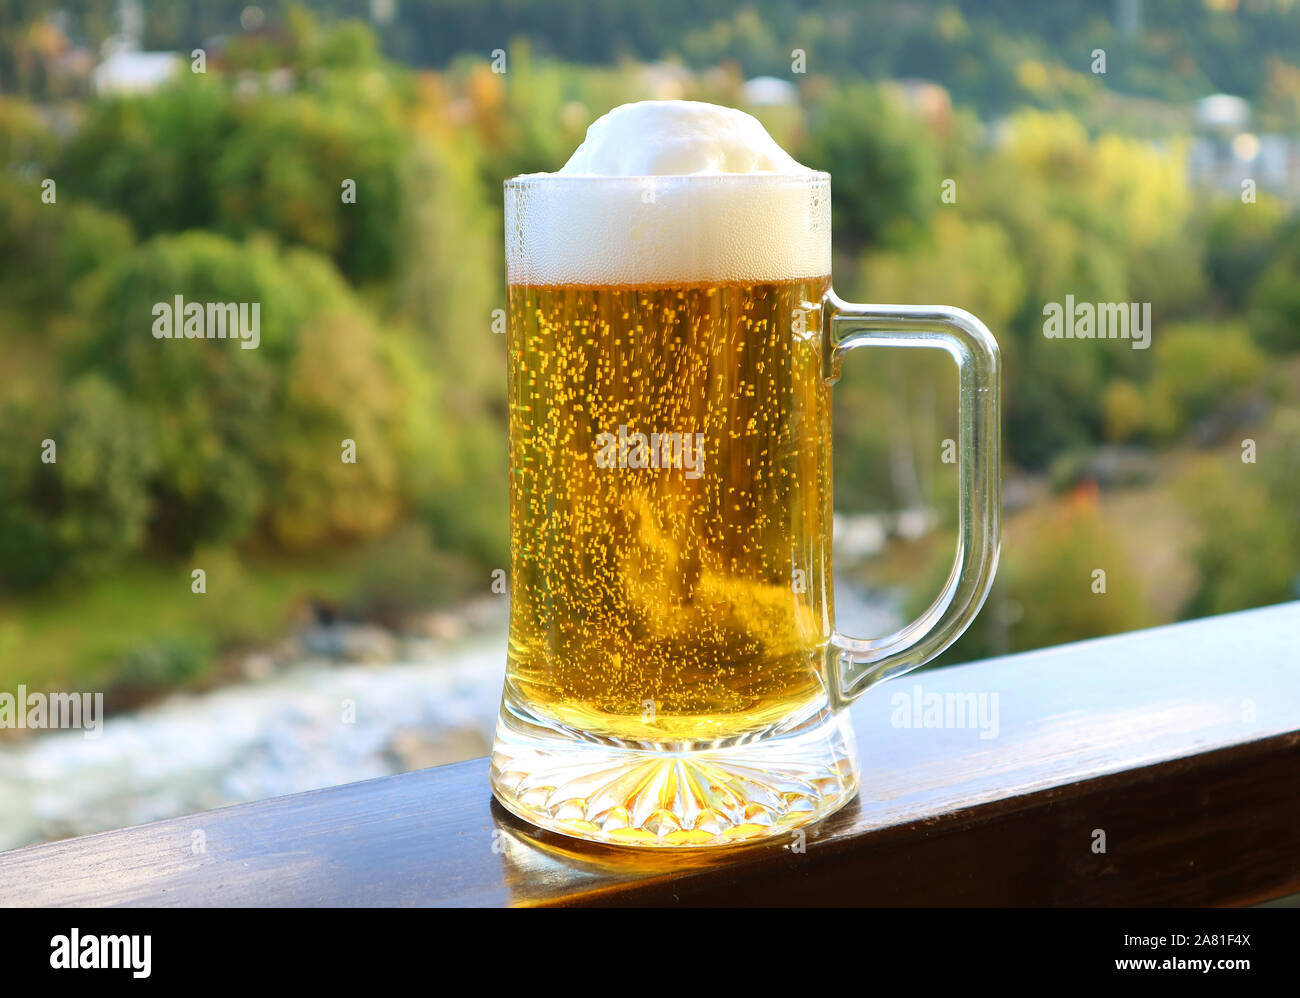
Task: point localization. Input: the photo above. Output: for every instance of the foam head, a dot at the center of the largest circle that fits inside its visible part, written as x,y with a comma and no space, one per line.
668,192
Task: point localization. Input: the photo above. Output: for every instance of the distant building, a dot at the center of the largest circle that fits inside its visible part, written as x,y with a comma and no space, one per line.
1225,154
769,91
126,71
1222,111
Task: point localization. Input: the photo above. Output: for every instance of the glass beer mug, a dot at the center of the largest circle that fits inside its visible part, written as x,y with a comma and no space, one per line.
674,675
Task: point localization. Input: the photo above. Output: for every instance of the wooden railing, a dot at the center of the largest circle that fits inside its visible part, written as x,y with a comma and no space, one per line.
1153,768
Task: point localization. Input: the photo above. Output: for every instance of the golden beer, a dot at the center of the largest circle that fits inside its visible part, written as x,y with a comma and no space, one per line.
670,505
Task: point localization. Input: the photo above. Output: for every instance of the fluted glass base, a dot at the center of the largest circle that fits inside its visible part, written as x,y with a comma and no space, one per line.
670,797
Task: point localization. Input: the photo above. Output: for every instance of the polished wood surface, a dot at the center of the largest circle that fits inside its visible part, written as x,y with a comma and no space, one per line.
1176,748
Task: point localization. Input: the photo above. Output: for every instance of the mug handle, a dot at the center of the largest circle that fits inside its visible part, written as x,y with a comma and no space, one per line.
856,664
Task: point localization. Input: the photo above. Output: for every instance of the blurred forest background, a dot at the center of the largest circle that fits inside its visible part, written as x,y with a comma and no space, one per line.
225,185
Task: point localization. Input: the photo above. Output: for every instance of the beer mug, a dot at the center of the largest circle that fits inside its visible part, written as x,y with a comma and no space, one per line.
674,675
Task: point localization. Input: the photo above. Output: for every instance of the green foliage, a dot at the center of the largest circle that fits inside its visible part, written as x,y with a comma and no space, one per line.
283,172
225,608
403,573
1275,304
84,508
151,158
48,248
161,664
1240,242
199,156
1052,398
25,140
448,283
346,45
1280,466
968,263
466,508
861,484
1046,589
1198,369
322,373
348,382
747,37
1125,409
884,167
1248,549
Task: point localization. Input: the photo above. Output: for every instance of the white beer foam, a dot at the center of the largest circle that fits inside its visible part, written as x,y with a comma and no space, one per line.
672,138
670,192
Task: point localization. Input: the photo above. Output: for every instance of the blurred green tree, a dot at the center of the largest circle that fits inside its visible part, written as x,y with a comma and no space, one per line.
1274,310
255,435
1048,591
1246,548
884,166
1240,241
73,484
1198,369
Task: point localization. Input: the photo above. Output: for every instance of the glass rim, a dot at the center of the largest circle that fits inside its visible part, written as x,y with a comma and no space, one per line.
810,178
